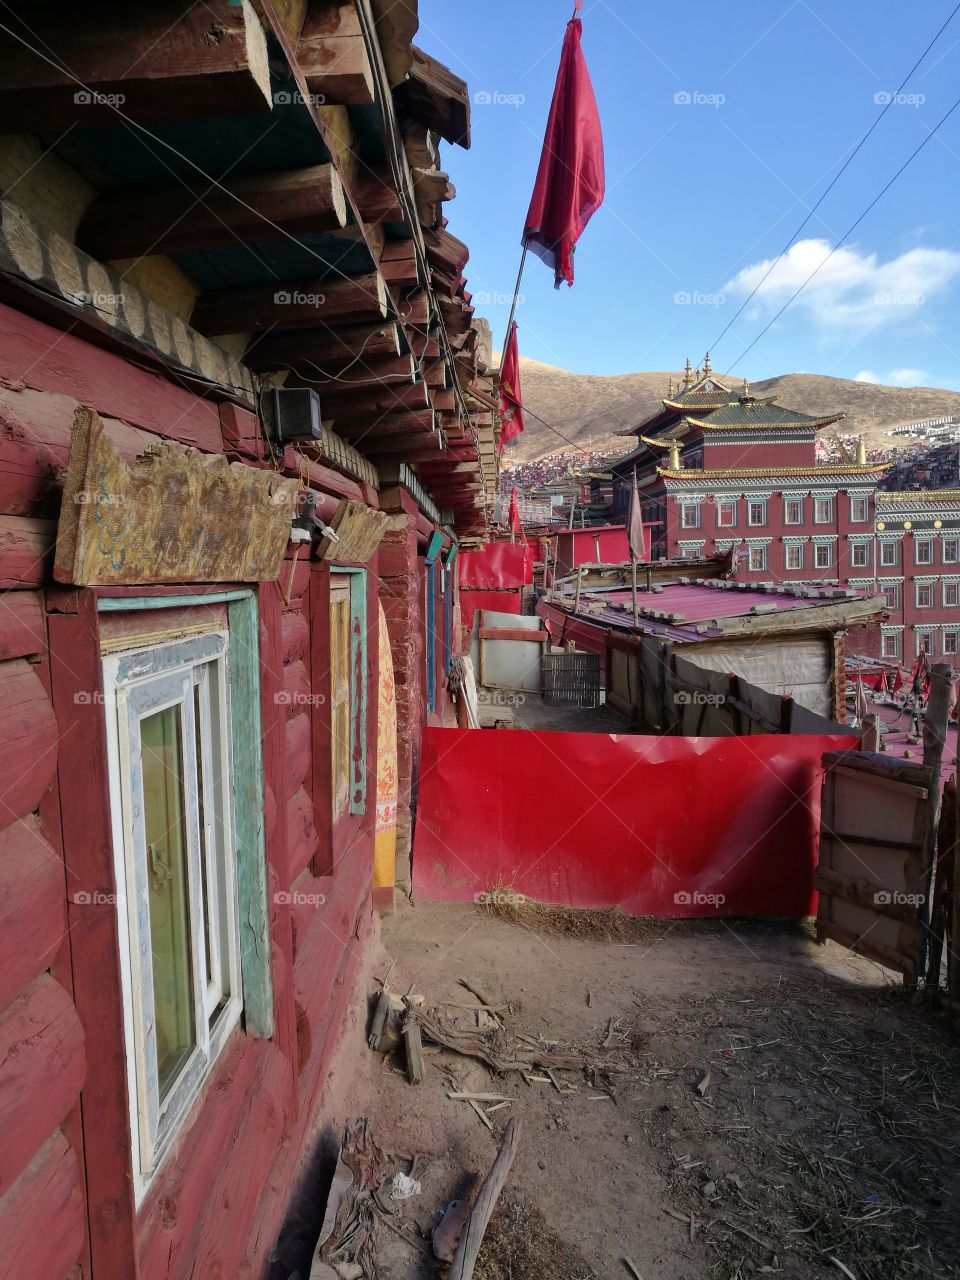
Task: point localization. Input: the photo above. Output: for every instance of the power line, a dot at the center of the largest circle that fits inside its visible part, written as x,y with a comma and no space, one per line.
892,99
849,231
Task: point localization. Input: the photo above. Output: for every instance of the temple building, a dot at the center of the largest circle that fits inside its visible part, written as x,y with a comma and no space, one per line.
717,468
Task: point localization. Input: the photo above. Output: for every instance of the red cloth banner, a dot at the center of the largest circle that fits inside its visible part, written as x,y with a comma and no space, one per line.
661,826
570,181
511,400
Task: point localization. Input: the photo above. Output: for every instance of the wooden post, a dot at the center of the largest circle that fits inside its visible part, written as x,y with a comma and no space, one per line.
870,734
576,602
934,738
468,1247
633,576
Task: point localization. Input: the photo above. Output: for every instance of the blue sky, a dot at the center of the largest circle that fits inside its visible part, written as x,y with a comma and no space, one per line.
723,123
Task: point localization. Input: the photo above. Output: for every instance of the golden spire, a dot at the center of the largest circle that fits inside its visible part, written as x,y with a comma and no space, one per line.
861,452
670,390
673,458
706,365
687,374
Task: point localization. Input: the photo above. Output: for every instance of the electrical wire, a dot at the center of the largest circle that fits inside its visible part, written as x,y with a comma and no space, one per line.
833,183
846,235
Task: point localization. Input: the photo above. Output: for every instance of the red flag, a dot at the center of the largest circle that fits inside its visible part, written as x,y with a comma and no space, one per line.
511,403
570,182
514,513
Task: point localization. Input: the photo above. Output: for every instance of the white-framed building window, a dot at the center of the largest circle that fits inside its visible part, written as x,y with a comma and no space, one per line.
951,595
923,550
793,556
858,555
891,594
924,597
822,555
756,511
859,510
923,643
171,786
726,513
793,511
889,552
757,559
890,644
951,550
950,644
823,511
690,514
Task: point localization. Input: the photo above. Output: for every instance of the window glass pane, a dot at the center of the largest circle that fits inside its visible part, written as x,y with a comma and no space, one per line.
168,891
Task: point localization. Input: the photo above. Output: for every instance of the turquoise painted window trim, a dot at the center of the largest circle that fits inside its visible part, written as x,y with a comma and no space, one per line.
121,604
431,645
358,687
243,669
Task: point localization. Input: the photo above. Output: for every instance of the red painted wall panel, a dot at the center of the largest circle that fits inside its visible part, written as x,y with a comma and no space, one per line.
662,826
496,601
497,565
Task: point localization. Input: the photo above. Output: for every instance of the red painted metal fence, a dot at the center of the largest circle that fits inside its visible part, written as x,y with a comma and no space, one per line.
659,826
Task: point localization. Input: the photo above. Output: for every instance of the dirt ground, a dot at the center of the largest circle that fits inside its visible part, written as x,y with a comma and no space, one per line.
783,1110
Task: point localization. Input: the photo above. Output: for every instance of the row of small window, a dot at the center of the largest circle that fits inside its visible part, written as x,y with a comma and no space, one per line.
922,551
757,513
925,595
891,644
794,558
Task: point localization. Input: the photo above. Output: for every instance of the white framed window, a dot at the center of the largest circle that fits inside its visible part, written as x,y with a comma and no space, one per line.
171,787
822,555
726,513
889,553
923,550
858,555
951,550
757,559
924,595
793,555
690,515
756,511
823,511
951,595
950,644
890,644
793,511
891,594
923,643
859,510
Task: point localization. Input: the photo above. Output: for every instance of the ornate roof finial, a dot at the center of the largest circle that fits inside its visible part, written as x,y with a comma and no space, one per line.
687,374
670,390
673,459
706,365
746,389
861,452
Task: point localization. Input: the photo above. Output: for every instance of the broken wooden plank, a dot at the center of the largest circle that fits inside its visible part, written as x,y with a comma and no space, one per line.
465,1258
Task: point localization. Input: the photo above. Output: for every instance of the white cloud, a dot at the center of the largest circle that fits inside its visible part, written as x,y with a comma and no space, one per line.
897,378
852,291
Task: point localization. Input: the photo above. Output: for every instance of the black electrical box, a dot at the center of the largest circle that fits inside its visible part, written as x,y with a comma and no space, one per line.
292,413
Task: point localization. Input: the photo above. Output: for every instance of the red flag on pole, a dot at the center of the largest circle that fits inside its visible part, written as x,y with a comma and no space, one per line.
514,513
570,181
511,403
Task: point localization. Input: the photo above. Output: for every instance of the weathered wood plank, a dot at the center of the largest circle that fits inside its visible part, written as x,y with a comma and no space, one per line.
301,833
26,548
42,1220
332,55
295,305
42,1068
176,515
298,756
33,354
28,744
325,347
22,628
33,914
437,98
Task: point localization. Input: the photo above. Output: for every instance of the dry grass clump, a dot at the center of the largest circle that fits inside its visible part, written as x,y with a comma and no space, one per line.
518,1245
597,925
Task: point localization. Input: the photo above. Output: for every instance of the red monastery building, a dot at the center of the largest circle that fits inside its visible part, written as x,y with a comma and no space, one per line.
719,468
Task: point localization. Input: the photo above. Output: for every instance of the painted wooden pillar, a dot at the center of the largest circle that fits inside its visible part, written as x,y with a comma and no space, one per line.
385,843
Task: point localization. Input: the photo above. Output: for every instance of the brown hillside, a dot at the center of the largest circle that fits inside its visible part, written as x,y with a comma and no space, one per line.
590,410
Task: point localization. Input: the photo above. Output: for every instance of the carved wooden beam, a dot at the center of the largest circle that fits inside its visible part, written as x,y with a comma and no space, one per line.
436,97
333,56
333,347
67,64
291,305
130,223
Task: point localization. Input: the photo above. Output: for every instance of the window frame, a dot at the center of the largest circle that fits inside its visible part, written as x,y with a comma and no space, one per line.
358,681
828,548
828,519
751,567
797,548
927,544
886,590
926,587
137,683
859,548
730,504
952,637
787,504
954,556
954,589
855,519
688,504
895,562
897,639
762,504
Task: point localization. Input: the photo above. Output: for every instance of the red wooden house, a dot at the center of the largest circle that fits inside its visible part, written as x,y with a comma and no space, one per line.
210,213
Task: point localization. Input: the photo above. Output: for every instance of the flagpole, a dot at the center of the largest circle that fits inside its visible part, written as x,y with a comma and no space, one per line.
516,294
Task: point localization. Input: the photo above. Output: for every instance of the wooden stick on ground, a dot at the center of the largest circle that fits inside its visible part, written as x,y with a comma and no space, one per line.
465,1259
413,1044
